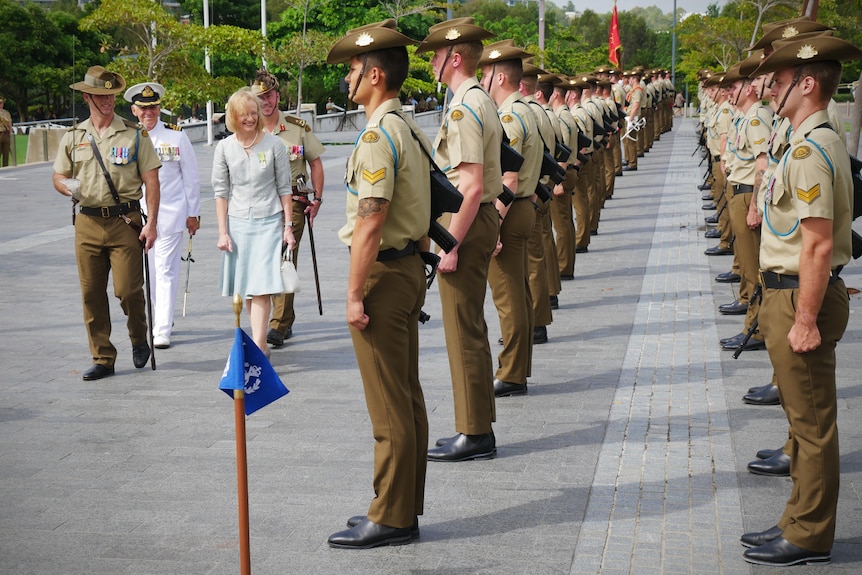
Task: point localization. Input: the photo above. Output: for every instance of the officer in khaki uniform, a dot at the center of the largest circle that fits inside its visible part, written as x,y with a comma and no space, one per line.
302,147
5,133
502,69
805,242
467,149
109,231
388,213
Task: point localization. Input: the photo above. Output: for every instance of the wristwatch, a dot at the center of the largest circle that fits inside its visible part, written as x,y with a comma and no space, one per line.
317,199
288,225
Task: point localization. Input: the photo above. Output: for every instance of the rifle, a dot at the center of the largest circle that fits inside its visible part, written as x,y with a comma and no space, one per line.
755,296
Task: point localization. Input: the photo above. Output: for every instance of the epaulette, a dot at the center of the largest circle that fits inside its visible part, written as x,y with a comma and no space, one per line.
172,127
133,125
298,122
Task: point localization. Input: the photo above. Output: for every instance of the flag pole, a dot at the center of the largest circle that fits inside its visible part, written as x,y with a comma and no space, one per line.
241,464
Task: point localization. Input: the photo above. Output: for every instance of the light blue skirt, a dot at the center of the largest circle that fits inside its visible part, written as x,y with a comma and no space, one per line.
254,266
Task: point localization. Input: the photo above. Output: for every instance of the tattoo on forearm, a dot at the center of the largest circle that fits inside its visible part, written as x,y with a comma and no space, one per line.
368,206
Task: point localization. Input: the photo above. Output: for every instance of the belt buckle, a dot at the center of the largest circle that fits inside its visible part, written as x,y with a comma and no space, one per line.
105,212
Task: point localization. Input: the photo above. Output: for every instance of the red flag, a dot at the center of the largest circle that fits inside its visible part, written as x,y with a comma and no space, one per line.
614,44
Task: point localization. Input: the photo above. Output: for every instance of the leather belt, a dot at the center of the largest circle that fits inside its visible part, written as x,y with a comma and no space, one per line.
393,254
772,280
742,189
112,211
716,158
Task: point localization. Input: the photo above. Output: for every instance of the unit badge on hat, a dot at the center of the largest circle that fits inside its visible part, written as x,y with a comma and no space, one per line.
364,39
452,34
108,84
789,32
148,92
806,52
494,54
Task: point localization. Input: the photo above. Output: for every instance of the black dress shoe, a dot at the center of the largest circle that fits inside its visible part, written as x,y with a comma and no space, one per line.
275,338
506,389
752,345
581,249
734,341
767,453
713,219
766,397
703,187
709,207
728,278
628,168
733,308
540,335
567,277
782,553
555,301
464,448
759,388
140,355
758,538
357,519
706,197
776,466
98,371
712,233
445,440
368,534
594,232
718,251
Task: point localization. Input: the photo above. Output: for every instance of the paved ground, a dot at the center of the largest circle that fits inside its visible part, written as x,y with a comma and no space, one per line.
627,457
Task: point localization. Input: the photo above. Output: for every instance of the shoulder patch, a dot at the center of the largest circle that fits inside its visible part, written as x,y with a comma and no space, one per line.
801,153
457,114
370,137
298,122
373,177
760,141
725,111
513,141
808,196
131,124
144,133
506,118
755,122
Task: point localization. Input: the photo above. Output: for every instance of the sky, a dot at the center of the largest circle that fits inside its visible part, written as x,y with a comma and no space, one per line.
665,5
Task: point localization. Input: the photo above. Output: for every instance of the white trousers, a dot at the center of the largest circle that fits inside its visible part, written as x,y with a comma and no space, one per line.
164,276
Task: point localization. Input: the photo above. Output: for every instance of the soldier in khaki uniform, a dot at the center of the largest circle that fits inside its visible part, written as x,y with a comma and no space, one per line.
388,212
502,69
467,149
718,126
634,103
584,187
109,231
302,146
805,242
541,250
562,208
5,133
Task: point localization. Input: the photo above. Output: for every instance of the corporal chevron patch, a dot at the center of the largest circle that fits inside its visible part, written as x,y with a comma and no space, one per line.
373,177
810,195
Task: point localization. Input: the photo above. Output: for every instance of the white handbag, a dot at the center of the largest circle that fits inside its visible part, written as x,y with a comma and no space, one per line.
288,273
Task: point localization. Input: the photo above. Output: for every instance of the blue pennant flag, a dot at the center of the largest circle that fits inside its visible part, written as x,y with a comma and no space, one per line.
248,369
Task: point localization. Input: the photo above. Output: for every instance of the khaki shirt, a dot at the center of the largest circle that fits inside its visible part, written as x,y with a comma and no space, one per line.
619,94
635,96
751,140
521,128
569,130
546,130
585,124
718,123
301,143
5,121
813,179
471,133
388,163
126,152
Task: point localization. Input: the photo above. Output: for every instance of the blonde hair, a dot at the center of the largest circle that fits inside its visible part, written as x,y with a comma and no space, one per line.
237,105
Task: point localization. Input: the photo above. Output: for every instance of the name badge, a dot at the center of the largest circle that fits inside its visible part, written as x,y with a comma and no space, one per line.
261,160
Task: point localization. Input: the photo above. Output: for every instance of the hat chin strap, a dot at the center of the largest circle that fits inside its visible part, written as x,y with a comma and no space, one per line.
443,66
361,75
796,78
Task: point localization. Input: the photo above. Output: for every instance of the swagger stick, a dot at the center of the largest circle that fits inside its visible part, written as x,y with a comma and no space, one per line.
189,261
149,308
314,262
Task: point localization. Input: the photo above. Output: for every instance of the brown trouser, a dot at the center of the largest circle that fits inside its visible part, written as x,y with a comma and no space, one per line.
806,386
510,289
746,249
462,294
564,225
550,247
581,204
103,246
387,352
537,272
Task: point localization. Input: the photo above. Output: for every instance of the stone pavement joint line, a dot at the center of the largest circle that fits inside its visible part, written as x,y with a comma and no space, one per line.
665,491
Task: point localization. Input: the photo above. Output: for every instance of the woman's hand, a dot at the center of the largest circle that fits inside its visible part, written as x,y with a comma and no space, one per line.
224,243
288,238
